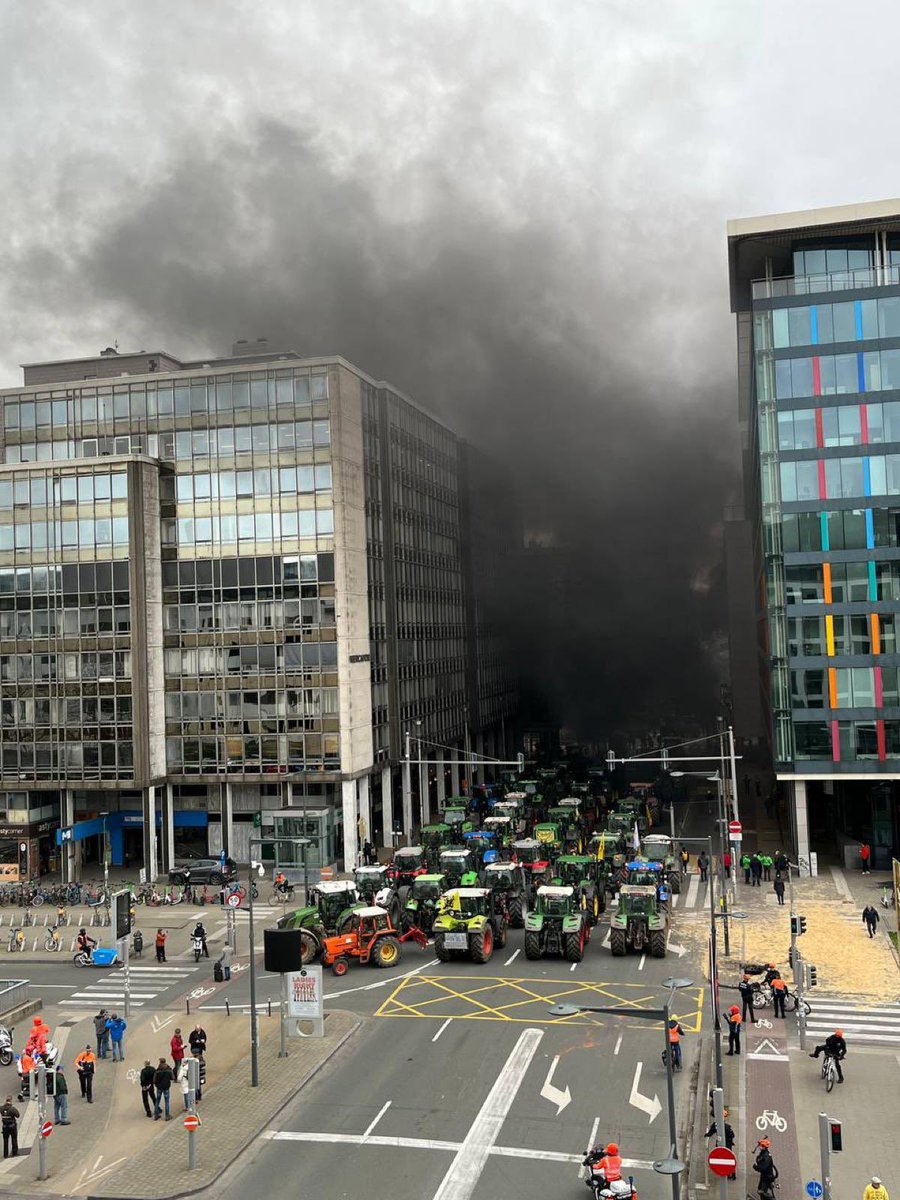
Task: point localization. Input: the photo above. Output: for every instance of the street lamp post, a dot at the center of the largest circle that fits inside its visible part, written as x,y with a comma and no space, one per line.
671,1166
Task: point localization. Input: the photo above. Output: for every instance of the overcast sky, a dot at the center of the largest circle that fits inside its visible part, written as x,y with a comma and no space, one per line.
513,211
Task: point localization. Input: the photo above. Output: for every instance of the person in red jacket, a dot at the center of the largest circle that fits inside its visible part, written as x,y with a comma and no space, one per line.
865,854
726,863
177,1047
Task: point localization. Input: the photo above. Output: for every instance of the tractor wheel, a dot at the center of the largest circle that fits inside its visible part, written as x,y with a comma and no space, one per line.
481,945
395,911
340,966
502,935
532,945
516,913
574,947
658,943
675,883
617,942
386,952
443,955
309,947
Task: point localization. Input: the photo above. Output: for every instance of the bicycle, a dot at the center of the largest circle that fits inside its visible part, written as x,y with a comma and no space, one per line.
53,942
676,1062
829,1071
16,941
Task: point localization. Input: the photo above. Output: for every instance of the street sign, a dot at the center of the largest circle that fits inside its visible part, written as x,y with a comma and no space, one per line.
46,1129
233,900
722,1161
191,1122
814,1189
735,829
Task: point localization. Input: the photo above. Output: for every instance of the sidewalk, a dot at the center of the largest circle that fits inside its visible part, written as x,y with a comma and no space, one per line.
111,1149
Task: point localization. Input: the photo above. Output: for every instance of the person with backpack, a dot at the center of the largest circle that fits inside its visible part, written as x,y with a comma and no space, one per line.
147,1093
162,1083
765,1168
223,963
703,866
9,1122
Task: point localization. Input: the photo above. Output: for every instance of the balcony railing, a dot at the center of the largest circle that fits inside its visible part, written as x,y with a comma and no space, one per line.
835,281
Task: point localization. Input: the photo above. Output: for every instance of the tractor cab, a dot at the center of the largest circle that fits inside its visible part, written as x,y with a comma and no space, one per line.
368,937
531,787
422,903
636,900
457,819
555,901
649,874
434,839
548,833
499,876
658,848
587,876
370,881
482,844
639,921
531,854
457,865
464,903
409,861
332,898
500,825
512,805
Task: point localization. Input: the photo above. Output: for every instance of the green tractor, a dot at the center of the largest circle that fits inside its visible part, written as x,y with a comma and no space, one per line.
567,818
505,880
549,834
424,898
500,823
457,816
658,848
471,922
375,887
588,878
557,925
639,923
333,903
458,864
435,838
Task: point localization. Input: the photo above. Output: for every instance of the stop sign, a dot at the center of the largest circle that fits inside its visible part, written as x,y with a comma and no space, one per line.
735,827
722,1161
46,1129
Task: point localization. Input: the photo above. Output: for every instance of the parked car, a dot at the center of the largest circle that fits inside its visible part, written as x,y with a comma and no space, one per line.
202,870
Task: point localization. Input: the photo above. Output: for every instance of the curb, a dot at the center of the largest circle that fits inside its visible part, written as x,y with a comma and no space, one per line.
253,1134
695,1151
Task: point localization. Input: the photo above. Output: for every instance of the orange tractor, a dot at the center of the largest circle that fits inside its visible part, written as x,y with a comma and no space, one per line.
369,937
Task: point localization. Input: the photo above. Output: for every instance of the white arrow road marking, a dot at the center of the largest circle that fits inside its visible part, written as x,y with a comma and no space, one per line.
679,950
512,958
606,940
159,1024
618,1044
464,1172
641,963
651,1107
767,1049
560,1098
91,1174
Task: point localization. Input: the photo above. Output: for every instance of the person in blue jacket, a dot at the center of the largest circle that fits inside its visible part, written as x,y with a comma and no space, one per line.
117,1026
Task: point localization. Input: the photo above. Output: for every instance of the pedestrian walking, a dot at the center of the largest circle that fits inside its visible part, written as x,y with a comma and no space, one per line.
117,1026
61,1098
147,1093
369,855
225,960
703,866
865,854
102,1032
685,860
767,864
733,1017
745,987
726,863
176,1046
756,870
746,862
197,1040
768,1172
870,919
778,887
160,945
781,862
9,1123
874,1190
779,995
85,1065
162,1083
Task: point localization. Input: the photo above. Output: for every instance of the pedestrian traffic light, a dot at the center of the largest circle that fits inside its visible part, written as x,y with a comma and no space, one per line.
811,977
836,1140
120,913
798,925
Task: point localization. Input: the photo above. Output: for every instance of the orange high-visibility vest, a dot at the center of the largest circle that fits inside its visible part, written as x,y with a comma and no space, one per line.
611,1166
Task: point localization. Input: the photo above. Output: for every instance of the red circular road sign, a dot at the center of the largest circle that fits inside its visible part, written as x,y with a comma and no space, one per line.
46,1129
722,1161
233,900
735,827
191,1122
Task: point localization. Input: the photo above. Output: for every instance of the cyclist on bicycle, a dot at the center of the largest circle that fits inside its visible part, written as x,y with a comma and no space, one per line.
282,885
772,972
675,1035
765,1167
84,943
835,1047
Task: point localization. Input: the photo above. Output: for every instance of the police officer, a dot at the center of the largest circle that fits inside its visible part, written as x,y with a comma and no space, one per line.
745,987
779,994
733,1017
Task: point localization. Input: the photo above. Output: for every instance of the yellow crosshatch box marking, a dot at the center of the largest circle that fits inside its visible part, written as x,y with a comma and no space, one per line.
496,998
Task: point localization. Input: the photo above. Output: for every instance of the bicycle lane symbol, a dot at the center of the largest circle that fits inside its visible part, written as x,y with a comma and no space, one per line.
771,1118
770,1108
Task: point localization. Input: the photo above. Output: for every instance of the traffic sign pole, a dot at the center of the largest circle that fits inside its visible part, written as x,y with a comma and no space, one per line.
719,1113
825,1154
191,1122
42,1119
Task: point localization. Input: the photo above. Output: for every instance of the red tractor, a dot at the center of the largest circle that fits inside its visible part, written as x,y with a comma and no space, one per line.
370,938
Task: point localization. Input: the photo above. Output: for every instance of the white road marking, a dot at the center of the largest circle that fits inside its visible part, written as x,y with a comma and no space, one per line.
442,1028
591,1140
618,1045
675,898
404,1143
606,940
651,1107
512,958
464,1172
641,963
562,1099
573,966
368,987
380,1114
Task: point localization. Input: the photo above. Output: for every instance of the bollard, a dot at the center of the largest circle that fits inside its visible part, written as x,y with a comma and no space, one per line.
269,1007
227,1008
187,1005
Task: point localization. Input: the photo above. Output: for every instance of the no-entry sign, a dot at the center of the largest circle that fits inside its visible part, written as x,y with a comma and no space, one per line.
722,1161
191,1122
735,827
46,1129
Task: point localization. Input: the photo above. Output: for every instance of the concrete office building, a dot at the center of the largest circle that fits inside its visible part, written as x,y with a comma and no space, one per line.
817,298
227,590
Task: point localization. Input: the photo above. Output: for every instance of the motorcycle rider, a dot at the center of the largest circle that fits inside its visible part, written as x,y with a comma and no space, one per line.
765,1167
836,1047
605,1161
84,942
200,932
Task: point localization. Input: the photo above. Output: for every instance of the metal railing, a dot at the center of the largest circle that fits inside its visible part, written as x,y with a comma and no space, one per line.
13,994
834,281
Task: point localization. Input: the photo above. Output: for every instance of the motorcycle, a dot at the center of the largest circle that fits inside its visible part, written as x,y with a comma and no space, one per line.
601,1187
97,956
6,1045
197,946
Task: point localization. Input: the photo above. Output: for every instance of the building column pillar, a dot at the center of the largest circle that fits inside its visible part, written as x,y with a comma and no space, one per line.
478,771
151,856
454,772
68,848
407,799
227,811
800,822
364,800
348,805
168,828
387,808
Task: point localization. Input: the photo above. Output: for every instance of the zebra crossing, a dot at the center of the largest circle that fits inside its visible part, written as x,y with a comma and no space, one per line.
146,983
869,1025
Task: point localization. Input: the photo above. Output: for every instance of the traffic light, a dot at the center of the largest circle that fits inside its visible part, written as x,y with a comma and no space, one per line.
798,925
23,860
811,978
120,913
836,1140
791,956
